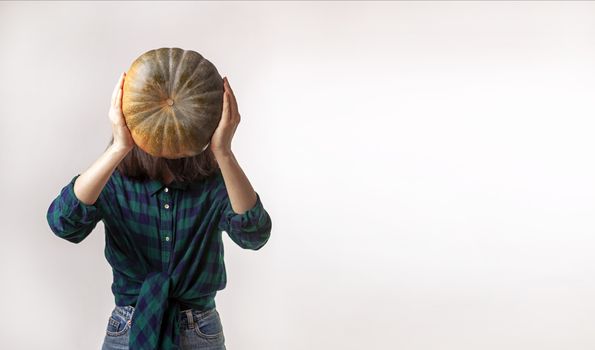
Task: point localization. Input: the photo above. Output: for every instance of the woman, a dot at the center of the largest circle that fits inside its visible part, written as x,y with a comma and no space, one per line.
163,223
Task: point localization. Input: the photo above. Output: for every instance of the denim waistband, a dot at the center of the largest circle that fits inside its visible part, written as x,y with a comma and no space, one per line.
187,316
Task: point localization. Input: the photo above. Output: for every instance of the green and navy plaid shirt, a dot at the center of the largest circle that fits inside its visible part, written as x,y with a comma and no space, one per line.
164,244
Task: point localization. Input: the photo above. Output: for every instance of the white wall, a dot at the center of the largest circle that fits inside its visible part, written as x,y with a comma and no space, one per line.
427,166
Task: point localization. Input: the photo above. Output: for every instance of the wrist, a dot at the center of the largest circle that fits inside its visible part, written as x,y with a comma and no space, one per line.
223,154
119,151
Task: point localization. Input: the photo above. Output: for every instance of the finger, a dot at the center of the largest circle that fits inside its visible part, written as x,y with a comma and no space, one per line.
228,87
232,99
117,87
226,106
119,98
115,92
233,104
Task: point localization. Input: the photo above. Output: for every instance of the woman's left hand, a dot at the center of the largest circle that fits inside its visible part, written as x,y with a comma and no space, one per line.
220,143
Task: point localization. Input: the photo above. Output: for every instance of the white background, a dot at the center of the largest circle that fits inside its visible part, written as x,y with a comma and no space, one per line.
428,167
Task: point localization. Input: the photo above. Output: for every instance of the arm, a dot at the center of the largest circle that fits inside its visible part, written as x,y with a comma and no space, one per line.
243,217
75,212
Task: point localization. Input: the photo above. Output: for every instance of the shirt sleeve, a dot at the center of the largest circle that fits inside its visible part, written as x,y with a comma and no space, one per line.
71,219
250,229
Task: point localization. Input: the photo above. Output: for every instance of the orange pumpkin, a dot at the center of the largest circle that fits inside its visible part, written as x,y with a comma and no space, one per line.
172,101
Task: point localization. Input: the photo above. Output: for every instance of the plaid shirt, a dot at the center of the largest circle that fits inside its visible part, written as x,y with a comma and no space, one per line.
164,244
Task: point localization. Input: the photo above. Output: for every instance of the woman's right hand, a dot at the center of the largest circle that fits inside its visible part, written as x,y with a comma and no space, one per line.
122,137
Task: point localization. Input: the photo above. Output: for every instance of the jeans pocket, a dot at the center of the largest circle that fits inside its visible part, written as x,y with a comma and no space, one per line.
117,324
208,325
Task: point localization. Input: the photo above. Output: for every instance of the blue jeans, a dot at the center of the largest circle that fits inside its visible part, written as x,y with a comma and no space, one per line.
198,329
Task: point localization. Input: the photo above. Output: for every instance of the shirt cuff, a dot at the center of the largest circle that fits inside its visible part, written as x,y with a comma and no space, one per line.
248,221
73,208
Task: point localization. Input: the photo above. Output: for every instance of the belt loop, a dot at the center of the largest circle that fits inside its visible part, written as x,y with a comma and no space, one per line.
131,314
190,318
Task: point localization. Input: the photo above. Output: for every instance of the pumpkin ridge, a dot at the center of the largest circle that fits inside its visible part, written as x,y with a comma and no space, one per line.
142,106
189,135
183,96
175,79
154,89
141,117
163,61
144,97
158,132
175,122
149,61
200,105
183,91
169,129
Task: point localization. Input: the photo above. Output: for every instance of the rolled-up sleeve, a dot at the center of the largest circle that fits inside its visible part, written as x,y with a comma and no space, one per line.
250,229
71,219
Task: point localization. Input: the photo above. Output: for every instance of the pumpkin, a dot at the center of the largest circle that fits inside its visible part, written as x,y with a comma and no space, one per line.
172,101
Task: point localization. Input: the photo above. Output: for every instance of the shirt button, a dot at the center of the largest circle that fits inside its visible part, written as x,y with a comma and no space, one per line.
166,189
166,206
167,238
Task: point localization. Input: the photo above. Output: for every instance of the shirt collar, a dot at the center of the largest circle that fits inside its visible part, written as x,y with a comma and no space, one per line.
154,186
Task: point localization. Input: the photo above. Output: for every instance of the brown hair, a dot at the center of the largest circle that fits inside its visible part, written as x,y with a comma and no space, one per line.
142,166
